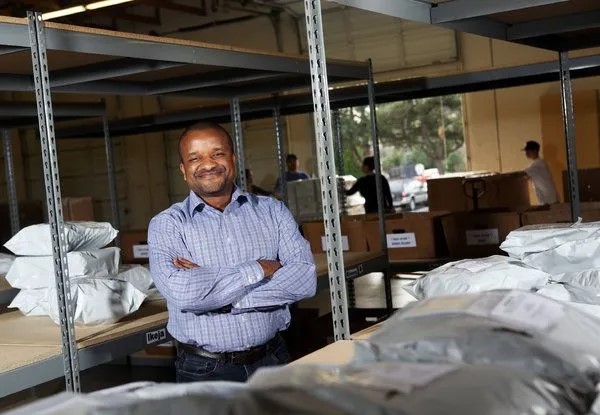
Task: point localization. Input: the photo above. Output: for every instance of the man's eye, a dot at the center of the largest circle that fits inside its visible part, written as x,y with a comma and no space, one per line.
219,154
193,159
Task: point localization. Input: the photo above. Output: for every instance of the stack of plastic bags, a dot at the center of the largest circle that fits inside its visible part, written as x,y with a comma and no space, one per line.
476,275
102,293
428,360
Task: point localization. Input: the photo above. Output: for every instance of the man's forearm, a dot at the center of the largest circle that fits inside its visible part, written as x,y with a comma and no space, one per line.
292,283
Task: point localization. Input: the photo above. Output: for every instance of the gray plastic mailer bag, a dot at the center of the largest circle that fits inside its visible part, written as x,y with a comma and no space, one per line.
477,275
516,329
539,238
423,389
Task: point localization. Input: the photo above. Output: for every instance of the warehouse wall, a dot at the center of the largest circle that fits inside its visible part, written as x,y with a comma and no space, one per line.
496,122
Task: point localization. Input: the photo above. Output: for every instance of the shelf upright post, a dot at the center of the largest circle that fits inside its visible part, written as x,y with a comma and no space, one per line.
339,141
566,94
379,186
238,141
53,199
112,177
327,172
280,152
11,185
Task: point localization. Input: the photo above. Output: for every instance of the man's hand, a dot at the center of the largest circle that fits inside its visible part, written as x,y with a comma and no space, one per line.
269,267
183,263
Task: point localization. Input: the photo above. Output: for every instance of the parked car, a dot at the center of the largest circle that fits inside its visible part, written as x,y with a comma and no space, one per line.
408,195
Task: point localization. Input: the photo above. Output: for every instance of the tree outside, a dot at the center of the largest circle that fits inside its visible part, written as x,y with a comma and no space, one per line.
427,131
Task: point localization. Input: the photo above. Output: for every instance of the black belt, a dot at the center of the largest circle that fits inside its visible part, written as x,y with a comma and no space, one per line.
244,357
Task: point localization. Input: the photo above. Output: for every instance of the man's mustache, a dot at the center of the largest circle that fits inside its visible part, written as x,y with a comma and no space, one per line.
214,170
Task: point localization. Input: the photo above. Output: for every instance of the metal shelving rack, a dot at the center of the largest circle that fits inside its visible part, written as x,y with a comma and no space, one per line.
556,25
256,72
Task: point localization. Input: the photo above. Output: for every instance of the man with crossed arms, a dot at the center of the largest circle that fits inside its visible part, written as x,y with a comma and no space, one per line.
229,264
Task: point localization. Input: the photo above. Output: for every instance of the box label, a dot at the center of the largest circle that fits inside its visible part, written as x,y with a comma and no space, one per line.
483,237
345,243
156,336
140,251
401,240
528,310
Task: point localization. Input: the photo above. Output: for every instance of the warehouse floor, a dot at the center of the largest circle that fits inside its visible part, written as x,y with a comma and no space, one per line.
369,295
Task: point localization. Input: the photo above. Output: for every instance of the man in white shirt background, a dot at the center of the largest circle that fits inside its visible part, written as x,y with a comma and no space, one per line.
540,175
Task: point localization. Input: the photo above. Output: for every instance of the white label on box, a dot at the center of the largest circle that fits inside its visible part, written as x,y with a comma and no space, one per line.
401,240
156,336
345,243
529,310
483,237
140,251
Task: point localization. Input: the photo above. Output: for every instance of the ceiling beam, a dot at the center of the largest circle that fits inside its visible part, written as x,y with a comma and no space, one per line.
554,25
107,69
466,9
212,79
414,10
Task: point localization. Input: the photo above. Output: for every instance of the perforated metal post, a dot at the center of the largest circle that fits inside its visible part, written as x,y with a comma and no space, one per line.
327,172
379,185
112,178
11,185
569,126
339,142
280,153
53,198
238,141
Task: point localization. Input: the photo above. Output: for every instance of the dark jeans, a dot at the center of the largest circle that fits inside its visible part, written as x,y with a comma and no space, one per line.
193,368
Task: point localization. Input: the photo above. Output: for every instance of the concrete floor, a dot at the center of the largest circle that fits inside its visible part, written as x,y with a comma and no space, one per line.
369,295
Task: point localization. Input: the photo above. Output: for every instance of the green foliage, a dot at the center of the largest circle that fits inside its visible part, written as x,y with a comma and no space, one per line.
427,131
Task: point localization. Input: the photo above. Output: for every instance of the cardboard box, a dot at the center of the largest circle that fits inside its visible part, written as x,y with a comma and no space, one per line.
502,191
478,234
353,235
409,236
589,185
134,247
78,208
561,213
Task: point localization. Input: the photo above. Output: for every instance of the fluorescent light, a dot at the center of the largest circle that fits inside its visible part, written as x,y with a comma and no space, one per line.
81,9
63,12
105,3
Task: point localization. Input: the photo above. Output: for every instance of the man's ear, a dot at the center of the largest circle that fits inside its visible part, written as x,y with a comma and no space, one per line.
182,169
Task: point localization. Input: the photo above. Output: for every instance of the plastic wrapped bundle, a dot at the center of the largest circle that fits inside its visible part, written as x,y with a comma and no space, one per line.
587,278
517,329
38,271
477,275
80,236
539,238
422,389
586,299
200,398
98,301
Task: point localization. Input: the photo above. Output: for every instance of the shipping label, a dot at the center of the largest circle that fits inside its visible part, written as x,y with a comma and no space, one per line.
401,240
483,237
140,251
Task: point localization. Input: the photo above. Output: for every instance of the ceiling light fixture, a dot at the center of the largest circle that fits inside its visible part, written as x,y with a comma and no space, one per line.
80,9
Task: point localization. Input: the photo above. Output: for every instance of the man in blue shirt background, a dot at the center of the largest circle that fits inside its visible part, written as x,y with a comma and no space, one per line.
292,174
229,264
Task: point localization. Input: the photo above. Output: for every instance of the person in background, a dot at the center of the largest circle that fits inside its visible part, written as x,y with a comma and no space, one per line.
368,189
229,264
252,188
540,175
292,174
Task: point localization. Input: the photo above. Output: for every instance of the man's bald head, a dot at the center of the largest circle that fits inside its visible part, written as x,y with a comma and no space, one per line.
202,126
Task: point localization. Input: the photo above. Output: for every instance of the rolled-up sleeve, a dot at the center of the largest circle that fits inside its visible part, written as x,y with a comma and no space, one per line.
201,289
296,279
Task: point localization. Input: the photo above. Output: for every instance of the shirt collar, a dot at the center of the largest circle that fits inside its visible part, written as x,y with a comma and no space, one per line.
196,204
